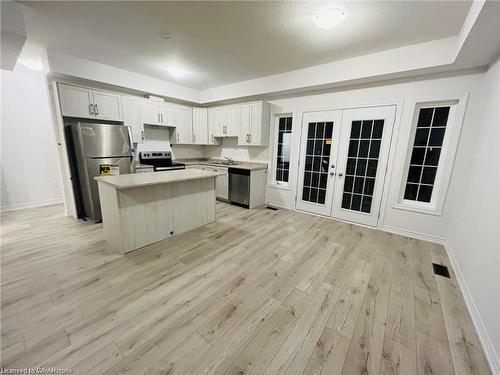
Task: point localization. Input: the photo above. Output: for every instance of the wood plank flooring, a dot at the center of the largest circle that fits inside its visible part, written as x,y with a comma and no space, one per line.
256,292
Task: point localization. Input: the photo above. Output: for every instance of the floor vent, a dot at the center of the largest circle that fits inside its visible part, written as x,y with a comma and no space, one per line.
441,270
271,208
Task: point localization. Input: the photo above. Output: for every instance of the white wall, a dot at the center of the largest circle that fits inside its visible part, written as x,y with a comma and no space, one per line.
418,224
29,165
473,239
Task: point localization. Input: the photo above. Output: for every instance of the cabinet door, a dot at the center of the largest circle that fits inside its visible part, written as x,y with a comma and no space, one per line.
107,106
200,126
244,136
169,115
222,184
150,112
220,121
132,118
76,101
184,126
212,127
233,121
259,124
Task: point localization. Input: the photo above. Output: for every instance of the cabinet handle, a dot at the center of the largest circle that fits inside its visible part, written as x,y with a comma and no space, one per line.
96,110
161,115
142,135
249,138
90,109
225,129
177,137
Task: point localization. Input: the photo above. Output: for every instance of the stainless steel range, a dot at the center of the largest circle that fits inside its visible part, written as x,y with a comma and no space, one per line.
160,160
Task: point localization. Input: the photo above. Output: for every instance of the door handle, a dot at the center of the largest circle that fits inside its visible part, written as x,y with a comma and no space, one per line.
341,174
332,173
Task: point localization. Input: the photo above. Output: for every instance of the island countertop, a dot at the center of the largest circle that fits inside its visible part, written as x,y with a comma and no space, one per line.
134,180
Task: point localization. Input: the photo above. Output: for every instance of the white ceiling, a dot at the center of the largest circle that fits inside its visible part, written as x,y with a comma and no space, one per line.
225,42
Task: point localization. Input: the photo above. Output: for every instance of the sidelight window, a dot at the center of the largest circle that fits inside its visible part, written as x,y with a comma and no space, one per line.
426,151
282,150
433,144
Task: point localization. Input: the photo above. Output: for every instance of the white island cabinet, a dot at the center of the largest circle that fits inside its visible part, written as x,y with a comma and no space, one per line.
142,208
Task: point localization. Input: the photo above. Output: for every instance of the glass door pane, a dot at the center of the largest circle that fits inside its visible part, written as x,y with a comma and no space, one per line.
365,141
362,161
320,132
319,142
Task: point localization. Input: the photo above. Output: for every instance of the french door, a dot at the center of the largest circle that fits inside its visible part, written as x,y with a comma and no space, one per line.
319,144
366,136
354,165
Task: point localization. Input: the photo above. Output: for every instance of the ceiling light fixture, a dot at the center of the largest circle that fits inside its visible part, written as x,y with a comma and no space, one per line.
329,18
32,64
176,71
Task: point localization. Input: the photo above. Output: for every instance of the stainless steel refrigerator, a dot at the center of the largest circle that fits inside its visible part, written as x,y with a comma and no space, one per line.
97,148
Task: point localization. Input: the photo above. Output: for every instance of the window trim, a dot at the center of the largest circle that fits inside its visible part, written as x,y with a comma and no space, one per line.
273,182
447,156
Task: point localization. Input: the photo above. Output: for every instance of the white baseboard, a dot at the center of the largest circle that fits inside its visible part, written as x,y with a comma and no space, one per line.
489,349
412,234
20,206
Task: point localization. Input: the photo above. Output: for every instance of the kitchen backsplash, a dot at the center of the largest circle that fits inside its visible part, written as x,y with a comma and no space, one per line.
229,147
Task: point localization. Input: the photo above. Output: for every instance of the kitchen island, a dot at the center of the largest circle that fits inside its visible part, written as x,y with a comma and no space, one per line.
142,208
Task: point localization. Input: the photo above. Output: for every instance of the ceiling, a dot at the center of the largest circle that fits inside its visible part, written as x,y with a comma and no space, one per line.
218,43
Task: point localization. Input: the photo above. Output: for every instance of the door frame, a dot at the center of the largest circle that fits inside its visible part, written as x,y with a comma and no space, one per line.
368,219
309,207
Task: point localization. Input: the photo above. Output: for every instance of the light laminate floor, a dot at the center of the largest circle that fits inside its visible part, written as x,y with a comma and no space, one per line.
257,292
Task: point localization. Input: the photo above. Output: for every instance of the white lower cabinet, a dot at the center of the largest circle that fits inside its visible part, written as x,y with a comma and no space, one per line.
132,118
221,182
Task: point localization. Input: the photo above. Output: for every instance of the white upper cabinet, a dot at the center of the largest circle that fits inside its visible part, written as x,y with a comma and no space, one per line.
86,103
183,125
197,126
107,106
168,115
224,121
200,126
150,112
254,129
76,101
132,117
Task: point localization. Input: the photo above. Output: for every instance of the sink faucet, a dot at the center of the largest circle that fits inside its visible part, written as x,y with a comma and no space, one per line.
229,160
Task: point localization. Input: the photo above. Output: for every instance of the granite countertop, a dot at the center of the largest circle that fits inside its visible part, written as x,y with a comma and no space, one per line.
134,180
216,163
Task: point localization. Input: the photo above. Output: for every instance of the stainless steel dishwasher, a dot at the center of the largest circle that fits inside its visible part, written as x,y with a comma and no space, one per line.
239,187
